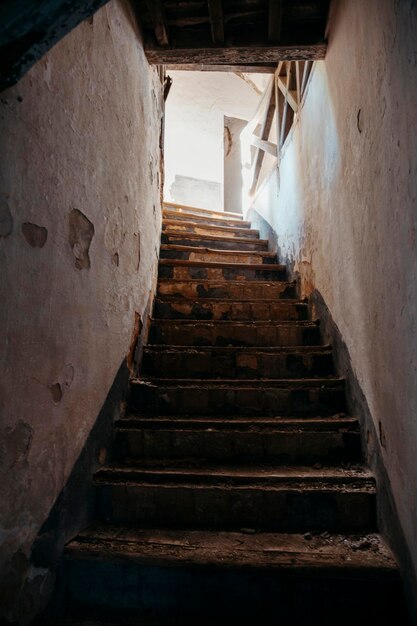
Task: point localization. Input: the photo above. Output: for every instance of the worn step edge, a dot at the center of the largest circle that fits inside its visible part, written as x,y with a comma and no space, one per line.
251,323
205,219
278,478
207,250
340,554
185,207
272,425
238,383
274,350
224,228
271,267
290,302
211,237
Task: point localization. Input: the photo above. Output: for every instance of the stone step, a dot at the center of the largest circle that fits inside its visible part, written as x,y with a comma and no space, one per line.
286,441
232,310
232,333
293,499
234,578
214,241
234,290
182,226
203,270
211,254
184,208
305,397
219,362
219,578
214,220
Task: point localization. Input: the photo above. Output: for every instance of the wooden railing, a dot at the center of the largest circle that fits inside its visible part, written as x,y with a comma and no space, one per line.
281,101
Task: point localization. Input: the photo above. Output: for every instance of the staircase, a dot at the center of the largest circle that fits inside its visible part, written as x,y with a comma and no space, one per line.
236,493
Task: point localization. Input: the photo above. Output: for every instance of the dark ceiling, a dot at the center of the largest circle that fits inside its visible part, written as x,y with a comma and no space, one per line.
188,33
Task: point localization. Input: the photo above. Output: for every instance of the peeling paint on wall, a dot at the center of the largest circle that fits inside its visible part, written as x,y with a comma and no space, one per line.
36,236
81,232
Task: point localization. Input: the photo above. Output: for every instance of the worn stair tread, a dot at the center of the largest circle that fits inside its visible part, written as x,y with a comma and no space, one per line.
239,424
273,267
207,249
165,348
234,323
204,219
294,477
355,554
175,206
248,383
232,301
184,224
212,237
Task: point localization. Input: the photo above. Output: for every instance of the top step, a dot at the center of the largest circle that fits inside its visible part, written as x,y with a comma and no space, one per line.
204,219
184,208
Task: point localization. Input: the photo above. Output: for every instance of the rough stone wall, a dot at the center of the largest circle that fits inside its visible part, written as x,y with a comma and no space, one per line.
79,239
345,211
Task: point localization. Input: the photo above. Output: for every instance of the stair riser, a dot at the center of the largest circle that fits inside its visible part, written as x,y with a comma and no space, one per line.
217,257
206,220
229,310
231,597
247,447
223,334
216,243
222,507
209,230
241,364
226,401
185,272
220,289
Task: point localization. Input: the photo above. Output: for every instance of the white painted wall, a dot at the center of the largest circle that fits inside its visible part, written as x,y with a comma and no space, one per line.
346,215
195,110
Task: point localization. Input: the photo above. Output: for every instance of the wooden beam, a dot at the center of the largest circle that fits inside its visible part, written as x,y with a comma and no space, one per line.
266,146
201,67
157,15
242,55
265,130
274,20
216,21
290,94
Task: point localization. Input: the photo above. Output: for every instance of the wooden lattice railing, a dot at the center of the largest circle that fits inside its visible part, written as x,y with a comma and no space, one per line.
281,101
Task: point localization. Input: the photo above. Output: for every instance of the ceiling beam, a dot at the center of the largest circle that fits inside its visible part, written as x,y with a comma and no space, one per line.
157,15
201,67
244,55
274,20
216,21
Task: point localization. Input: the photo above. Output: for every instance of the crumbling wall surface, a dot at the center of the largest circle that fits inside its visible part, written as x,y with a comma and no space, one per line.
79,237
345,211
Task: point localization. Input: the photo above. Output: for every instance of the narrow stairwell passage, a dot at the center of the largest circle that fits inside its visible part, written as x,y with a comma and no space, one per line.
237,493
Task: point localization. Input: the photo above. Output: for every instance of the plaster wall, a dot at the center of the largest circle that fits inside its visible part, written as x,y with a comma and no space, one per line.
79,238
345,212
194,128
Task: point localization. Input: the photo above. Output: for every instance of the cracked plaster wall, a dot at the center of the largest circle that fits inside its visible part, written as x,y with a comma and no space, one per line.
79,237
345,212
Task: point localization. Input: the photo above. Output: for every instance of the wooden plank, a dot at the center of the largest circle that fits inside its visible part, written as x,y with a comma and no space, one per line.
290,94
274,20
241,55
266,146
216,21
157,15
266,129
201,67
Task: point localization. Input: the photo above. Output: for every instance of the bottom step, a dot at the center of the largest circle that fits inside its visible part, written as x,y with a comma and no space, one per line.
235,577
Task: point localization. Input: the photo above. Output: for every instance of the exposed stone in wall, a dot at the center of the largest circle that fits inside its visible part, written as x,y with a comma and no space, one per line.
81,232
36,236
